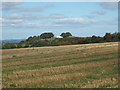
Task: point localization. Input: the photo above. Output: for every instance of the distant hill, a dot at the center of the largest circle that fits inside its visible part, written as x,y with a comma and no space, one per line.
10,41
2,42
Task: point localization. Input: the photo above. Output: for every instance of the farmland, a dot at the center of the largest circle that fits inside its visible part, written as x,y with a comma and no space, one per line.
69,66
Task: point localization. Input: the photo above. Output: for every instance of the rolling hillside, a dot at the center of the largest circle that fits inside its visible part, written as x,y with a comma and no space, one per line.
69,66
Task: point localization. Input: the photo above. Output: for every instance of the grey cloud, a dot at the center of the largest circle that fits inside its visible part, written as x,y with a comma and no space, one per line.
107,22
10,5
99,12
109,5
95,14
35,8
89,16
56,16
16,6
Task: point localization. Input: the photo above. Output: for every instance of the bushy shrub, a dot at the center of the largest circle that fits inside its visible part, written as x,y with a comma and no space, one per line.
9,46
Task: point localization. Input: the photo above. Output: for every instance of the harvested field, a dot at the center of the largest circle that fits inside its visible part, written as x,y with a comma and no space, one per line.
69,66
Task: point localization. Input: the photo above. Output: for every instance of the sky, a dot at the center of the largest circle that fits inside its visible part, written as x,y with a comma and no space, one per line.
23,19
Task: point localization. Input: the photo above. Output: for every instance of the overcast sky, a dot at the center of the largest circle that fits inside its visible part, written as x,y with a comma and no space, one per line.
24,19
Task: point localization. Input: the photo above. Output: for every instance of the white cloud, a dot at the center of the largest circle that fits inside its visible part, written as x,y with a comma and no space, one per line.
24,20
80,22
1,19
11,21
75,21
67,20
33,24
12,24
30,16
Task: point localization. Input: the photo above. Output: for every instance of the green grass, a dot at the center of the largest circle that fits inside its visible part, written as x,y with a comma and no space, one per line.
37,67
84,61
107,86
113,71
60,64
12,85
52,56
14,56
91,77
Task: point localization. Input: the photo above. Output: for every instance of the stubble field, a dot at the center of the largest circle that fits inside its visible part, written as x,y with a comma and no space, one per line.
70,66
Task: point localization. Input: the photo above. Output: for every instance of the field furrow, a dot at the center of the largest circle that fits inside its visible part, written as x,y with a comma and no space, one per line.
70,66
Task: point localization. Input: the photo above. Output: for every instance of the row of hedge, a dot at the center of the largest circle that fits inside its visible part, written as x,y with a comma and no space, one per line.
37,42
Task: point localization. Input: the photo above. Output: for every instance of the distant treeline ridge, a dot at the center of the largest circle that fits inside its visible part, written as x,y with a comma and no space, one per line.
48,39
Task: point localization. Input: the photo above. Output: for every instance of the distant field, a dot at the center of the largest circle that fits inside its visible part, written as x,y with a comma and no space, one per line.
70,66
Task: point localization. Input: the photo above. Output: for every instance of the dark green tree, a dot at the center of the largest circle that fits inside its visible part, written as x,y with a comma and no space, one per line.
29,38
107,36
9,45
67,34
46,35
63,35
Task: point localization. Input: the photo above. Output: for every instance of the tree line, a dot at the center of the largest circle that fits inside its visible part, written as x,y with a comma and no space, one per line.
47,39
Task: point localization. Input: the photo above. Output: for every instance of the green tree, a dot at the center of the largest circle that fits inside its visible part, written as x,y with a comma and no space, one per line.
107,36
9,45
67,34
46,35
63,35
29,38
